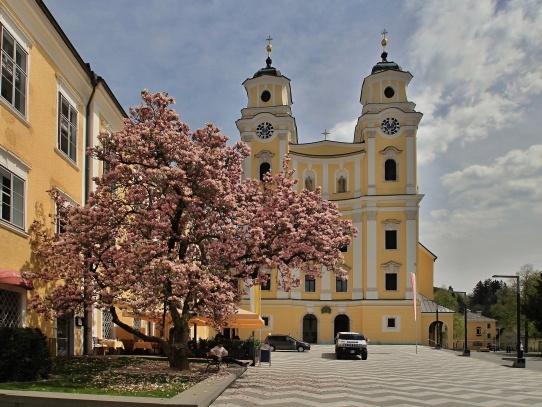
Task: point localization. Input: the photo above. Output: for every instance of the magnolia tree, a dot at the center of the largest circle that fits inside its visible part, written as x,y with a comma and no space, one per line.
171,228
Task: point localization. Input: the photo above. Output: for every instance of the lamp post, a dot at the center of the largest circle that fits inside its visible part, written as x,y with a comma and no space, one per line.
437,342
466,351
518,338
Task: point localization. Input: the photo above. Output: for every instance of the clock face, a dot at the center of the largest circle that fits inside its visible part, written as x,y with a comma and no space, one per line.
390,125
264,130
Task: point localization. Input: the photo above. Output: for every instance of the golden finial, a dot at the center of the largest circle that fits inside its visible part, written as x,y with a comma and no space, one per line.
384,40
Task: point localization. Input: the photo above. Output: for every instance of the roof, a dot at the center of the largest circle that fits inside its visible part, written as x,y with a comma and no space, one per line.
85,66
429,306
268,70
385,65
474,316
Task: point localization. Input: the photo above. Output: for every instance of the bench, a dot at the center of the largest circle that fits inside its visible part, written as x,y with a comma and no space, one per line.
518,362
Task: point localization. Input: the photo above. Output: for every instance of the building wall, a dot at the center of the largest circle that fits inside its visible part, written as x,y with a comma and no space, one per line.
29,140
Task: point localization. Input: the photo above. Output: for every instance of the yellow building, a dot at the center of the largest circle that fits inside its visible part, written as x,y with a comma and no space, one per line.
373,180
481,332
52,107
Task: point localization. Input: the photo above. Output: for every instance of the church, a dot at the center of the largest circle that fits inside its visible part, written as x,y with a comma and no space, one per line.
373,180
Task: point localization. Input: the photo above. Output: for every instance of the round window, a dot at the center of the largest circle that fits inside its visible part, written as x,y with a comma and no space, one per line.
266,96
389,92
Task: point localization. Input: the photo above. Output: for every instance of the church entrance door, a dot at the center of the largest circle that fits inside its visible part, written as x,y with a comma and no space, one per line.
310,328
342,324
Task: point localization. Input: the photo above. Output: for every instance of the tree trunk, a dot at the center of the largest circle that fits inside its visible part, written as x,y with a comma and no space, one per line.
178,352
176,348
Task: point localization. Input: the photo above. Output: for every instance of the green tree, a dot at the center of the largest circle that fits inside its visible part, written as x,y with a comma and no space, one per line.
484,295
504,310
533,302
529,282
446,297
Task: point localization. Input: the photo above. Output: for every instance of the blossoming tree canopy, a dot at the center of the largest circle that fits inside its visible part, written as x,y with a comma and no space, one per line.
171,228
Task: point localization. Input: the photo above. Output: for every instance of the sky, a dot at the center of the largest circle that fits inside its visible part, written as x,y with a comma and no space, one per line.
477,68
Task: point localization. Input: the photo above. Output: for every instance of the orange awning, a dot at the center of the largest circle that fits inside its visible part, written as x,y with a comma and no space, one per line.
241,319
13,277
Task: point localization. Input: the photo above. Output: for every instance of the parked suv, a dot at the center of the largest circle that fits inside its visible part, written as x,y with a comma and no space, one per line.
285,342
350,343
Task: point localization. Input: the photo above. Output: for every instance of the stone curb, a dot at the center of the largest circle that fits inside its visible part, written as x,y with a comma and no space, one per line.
201,395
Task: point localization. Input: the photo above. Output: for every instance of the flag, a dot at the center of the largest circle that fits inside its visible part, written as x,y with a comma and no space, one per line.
414,292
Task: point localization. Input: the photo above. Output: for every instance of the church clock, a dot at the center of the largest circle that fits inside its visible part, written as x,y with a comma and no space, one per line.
264,130
390,125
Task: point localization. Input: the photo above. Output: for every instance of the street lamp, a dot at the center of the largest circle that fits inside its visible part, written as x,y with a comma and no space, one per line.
518,339
437,342
466,351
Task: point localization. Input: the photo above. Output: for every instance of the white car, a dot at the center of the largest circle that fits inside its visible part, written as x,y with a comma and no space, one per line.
350,344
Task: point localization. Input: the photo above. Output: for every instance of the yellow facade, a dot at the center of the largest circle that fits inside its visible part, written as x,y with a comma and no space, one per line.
373,180
481,331
49,115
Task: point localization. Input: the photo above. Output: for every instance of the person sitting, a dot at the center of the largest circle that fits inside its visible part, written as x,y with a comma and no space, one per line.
219,353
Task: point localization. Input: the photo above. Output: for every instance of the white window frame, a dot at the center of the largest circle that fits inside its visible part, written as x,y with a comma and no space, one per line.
70,201
396,328
16,30
269,325
391,267
305,284
65,91
15,166
396,281
390,153
342,282
391,225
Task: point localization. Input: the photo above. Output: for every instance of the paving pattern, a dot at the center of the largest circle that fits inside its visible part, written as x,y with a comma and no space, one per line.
393,375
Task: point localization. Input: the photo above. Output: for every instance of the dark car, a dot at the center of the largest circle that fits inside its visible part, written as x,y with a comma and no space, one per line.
285,342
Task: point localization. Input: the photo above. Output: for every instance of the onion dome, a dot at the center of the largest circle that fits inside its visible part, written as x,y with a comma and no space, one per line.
268,70
385,65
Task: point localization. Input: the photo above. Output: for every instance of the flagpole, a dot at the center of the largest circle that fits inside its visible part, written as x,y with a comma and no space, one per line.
414,295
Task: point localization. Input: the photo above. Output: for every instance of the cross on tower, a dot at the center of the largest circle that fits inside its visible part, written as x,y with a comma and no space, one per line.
384,40
325,134
269,46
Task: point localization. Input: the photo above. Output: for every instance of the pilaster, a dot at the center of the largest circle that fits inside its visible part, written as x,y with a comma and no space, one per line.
372,290
325,292
411,246
411,162
371,186
357,253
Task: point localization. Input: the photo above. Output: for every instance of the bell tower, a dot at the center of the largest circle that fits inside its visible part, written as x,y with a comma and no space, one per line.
388,125
267,124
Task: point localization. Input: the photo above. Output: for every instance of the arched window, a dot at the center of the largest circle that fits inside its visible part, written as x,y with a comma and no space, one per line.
264,169
390,170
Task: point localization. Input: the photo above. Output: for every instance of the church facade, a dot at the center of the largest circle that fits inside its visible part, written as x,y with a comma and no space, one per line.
373,180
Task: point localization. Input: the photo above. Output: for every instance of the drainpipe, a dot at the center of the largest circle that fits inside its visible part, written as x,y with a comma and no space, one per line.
94,81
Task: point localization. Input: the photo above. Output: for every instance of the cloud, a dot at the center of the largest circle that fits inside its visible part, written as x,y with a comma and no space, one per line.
343,131
479,68
484,197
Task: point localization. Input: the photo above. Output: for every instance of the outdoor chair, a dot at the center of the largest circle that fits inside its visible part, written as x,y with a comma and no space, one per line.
156,348
212,360
97,347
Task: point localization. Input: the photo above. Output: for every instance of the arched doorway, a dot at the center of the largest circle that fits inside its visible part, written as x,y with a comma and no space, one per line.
341,324
310,328
438,334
